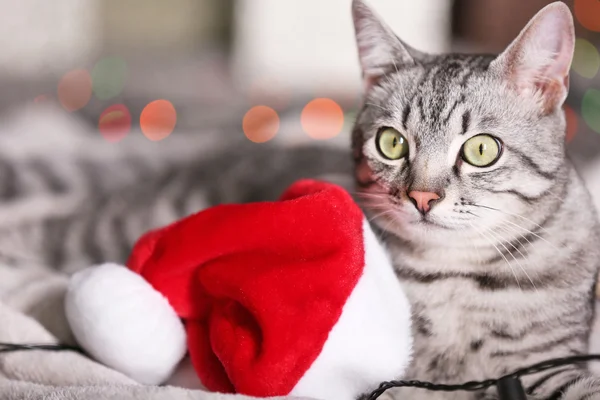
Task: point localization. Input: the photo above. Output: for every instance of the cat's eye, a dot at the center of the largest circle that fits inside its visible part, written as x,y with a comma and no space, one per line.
391,144
482,150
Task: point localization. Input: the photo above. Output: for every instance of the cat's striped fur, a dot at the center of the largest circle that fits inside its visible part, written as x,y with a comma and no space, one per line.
73,212
501,271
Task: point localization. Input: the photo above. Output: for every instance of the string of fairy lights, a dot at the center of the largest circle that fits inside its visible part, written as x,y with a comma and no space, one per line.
320,118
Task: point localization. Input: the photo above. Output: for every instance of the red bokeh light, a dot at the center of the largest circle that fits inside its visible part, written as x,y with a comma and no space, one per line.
587,13
75,89
115,123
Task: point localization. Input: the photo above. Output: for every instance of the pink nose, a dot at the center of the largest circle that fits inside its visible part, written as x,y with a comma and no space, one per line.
422,199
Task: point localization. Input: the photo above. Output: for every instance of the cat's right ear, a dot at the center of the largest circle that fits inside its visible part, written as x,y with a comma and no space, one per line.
379,49
538,61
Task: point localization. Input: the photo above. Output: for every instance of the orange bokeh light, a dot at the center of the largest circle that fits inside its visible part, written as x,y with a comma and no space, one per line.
260,124
572,123
115,123
158,119
587,12
75,89
322,119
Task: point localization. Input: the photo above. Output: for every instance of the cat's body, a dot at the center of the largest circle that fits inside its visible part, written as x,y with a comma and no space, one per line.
462,166
475,326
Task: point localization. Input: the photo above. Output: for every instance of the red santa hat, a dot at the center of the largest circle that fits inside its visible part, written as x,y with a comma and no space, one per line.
288,297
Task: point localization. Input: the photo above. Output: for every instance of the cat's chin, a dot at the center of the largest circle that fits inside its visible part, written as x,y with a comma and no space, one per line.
426,223
429,222
410,225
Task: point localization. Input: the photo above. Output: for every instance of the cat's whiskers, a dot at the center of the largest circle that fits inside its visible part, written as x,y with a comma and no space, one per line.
491,241
521,227
391,221
472,213
502,241
509,214
381,214
381,196
534,234
507,228
555,196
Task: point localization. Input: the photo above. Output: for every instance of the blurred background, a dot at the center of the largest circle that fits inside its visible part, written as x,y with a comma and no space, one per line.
269,70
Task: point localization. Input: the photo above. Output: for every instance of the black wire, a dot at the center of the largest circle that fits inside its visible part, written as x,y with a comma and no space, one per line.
467,386
479,385
10,347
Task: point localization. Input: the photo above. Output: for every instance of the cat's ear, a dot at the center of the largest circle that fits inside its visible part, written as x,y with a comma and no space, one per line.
379,49
537,62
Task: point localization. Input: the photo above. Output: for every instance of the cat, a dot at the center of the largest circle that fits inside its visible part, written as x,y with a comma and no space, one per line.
499,260
460,160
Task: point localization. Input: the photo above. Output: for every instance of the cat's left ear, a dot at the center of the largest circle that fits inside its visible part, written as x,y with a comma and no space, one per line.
537,62
379,49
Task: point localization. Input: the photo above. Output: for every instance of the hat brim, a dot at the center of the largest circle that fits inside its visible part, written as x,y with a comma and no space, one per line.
371,342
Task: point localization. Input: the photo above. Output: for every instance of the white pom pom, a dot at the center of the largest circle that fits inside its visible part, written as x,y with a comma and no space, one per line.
124,323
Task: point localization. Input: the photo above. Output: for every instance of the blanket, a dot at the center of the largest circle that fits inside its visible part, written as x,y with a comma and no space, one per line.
31,311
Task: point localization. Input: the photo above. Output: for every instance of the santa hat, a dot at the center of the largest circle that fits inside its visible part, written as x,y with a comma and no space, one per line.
276,298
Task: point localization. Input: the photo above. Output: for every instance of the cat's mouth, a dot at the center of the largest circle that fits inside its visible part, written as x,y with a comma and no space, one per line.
427,221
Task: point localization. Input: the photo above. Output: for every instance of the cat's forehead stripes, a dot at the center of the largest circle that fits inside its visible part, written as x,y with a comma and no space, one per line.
440,90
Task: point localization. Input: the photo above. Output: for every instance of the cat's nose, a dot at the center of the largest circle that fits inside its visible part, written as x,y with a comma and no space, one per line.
422,200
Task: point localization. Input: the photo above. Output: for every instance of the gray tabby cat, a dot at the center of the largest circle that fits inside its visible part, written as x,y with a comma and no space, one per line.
461,162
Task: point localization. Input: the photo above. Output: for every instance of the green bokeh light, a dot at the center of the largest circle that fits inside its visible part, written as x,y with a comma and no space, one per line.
586,60
108,77
590,109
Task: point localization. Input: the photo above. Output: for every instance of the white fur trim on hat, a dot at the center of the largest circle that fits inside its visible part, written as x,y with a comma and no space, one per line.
371,341
121,321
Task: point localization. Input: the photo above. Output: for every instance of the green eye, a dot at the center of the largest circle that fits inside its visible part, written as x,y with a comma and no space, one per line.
391,144
482,150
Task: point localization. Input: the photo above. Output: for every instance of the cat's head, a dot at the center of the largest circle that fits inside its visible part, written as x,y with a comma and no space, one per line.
447,146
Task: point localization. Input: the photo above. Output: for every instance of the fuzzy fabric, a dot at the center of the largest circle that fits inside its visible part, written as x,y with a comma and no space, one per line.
122,322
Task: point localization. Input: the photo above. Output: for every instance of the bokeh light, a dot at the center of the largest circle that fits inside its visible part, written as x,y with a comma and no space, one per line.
115,123
260,124
590,109
158,119
587,13
75,89
572,123
322,119
586,60
108,77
